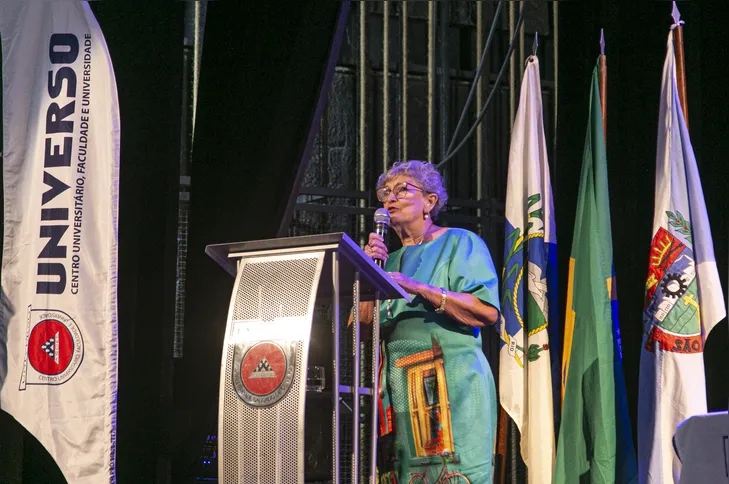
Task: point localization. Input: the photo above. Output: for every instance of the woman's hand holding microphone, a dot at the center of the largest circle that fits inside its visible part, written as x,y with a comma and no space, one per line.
376,248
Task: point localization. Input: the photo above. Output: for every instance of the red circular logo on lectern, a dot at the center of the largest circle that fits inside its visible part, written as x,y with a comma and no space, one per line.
50,347
263,368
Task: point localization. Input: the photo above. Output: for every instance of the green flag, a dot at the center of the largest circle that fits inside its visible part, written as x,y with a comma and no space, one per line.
595,444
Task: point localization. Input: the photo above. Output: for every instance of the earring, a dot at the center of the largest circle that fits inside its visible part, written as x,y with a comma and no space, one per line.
426,215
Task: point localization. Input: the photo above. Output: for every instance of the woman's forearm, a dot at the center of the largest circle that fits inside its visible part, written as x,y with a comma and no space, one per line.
463,307
366,313
366,316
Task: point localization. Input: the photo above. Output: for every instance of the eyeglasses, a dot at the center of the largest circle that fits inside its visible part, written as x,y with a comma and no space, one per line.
400,190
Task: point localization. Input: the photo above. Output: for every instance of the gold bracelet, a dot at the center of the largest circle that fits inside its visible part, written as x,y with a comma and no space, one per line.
443,297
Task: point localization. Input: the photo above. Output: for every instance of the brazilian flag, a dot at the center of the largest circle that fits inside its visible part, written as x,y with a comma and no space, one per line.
595,443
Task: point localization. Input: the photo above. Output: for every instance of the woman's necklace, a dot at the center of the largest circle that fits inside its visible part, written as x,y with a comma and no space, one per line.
422,237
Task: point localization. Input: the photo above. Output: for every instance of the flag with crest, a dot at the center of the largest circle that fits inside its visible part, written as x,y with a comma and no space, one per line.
529,284
683,298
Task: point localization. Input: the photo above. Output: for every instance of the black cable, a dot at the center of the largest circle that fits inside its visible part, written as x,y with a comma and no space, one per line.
476,77
491,94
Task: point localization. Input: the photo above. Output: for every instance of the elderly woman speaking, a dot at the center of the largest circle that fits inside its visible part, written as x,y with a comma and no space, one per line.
438,400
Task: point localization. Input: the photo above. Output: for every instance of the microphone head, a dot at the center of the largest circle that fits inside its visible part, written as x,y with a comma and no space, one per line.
382,216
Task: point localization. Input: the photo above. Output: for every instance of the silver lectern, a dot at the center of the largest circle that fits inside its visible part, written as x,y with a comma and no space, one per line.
265,353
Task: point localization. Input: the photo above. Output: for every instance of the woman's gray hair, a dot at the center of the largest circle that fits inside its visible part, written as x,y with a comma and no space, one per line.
424,174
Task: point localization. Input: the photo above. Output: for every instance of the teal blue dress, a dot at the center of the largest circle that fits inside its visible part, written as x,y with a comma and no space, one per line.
438,404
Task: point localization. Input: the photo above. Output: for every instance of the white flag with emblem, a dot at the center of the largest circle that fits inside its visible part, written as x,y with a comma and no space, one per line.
683,299
58,356
529,293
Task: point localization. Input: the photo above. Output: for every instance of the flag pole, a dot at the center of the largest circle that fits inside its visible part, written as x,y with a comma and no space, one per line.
680,63
603,83
501,438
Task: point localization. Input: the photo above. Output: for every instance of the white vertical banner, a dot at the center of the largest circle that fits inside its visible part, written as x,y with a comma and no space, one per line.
59,266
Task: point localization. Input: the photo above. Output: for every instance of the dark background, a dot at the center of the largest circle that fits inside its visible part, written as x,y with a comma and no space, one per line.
262,65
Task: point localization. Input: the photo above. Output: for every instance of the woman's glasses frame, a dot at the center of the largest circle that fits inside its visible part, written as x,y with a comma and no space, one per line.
400,190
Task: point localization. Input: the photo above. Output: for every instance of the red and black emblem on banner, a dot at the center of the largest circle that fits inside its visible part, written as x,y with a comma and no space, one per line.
54,349
263,372
50,347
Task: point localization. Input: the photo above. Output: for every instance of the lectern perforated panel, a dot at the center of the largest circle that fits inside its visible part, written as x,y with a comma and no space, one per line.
263,382
275,289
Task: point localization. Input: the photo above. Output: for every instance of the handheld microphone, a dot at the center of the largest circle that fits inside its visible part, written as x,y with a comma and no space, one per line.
382,222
